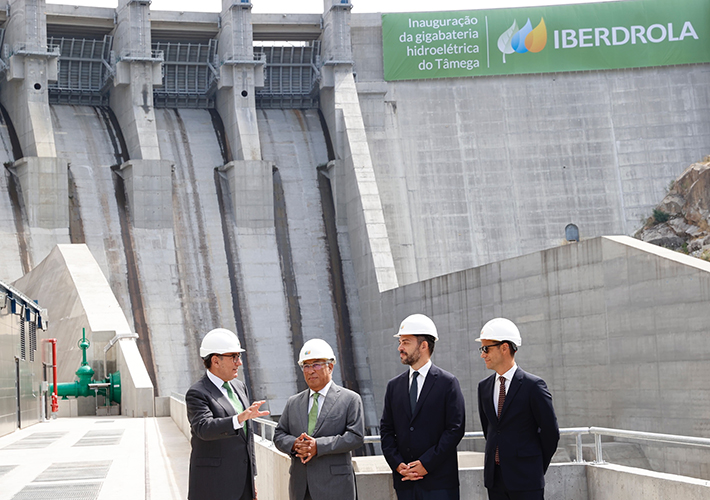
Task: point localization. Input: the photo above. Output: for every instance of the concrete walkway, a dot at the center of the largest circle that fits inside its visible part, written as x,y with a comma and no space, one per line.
95,458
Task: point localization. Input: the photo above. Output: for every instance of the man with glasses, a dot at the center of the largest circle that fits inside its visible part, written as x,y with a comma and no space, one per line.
319,428
517,416
222,461
423,420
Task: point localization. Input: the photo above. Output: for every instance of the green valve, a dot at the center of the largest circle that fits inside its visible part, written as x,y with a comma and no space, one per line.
80,387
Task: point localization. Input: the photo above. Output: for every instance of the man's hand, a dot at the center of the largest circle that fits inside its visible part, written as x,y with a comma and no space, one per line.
413,471
252,412
305,448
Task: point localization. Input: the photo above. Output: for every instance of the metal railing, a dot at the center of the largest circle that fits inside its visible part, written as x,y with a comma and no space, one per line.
267,427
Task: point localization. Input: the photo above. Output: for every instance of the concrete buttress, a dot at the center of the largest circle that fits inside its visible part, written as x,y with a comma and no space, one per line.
31,66
239,74
137,70
264,311
359,215
43,181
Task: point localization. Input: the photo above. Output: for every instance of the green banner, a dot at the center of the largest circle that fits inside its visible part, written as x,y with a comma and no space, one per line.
580,37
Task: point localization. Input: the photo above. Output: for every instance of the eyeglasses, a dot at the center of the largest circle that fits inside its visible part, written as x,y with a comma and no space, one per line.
484,348
235,357
314,366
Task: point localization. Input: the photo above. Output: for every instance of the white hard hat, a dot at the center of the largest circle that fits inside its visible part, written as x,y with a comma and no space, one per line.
315,349
417,324
220,341
501,329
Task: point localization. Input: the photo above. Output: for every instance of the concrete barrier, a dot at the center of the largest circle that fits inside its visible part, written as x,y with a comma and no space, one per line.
178,412
564,481
610,482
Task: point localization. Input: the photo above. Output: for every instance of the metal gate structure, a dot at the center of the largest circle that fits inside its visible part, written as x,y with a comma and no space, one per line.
84,71
291,76
189,75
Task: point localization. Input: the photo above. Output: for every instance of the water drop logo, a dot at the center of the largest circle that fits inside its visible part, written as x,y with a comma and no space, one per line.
525,39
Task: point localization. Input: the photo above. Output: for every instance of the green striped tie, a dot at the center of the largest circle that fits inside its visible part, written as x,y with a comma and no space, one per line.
313,415
235,400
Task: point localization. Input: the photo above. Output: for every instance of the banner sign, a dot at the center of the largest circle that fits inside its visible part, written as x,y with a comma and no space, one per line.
596,36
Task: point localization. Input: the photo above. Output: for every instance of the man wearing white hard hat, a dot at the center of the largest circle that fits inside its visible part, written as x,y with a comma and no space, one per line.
517,416
423,420
222,461
319,428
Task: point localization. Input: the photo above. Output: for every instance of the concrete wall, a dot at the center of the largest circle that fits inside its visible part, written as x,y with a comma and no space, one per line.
475,170
593,316
607,482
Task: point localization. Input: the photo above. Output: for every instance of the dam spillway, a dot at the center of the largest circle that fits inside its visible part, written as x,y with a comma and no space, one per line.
191,160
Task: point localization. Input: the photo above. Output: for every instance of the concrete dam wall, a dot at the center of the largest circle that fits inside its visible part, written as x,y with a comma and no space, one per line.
305,197
477,170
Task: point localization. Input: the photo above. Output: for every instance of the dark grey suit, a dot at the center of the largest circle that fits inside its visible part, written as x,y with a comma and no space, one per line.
222,461
339,430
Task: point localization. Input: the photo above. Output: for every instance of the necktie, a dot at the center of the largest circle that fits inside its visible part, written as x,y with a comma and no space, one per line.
313,415
501,401
413,391
235,400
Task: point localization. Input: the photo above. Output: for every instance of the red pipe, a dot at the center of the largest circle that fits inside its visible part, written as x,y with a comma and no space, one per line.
55,398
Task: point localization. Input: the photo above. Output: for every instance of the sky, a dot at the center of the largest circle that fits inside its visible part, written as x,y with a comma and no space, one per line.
316,6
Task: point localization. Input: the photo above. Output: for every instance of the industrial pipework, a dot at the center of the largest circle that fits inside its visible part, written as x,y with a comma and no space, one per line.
110,387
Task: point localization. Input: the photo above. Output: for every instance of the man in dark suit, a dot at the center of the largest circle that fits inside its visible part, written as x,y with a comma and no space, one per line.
517,416
319,428
423,419
222,461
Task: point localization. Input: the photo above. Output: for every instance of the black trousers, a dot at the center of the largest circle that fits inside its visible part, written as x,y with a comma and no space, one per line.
500,492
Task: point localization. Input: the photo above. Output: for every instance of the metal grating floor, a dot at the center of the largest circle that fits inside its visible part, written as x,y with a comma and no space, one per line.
66,491
75,471
100,438
36,440
4,469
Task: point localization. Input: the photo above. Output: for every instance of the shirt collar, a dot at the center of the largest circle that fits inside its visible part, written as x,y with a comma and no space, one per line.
422,371
215,380
323,392
509,374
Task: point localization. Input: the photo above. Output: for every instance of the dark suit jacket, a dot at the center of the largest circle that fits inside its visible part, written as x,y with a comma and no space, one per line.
222,459
526,434
339,430
430,435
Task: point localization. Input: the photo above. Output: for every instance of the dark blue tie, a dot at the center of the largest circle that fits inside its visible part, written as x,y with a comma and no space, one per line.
413,391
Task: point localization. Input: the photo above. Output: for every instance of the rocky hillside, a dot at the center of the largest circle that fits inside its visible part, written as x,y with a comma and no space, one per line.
682,220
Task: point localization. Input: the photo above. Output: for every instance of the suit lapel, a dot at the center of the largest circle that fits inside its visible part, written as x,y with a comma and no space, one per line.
240,391
429,382
488,388
402,390
301,423
218,396
515,385
241,394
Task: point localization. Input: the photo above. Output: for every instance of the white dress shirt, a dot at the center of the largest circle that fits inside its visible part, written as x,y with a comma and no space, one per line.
423,371
219,383
322,394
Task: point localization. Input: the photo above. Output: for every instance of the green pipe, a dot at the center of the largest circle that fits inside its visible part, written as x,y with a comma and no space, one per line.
85,374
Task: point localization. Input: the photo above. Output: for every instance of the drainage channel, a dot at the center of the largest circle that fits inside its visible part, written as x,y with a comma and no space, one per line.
69,480
35,441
